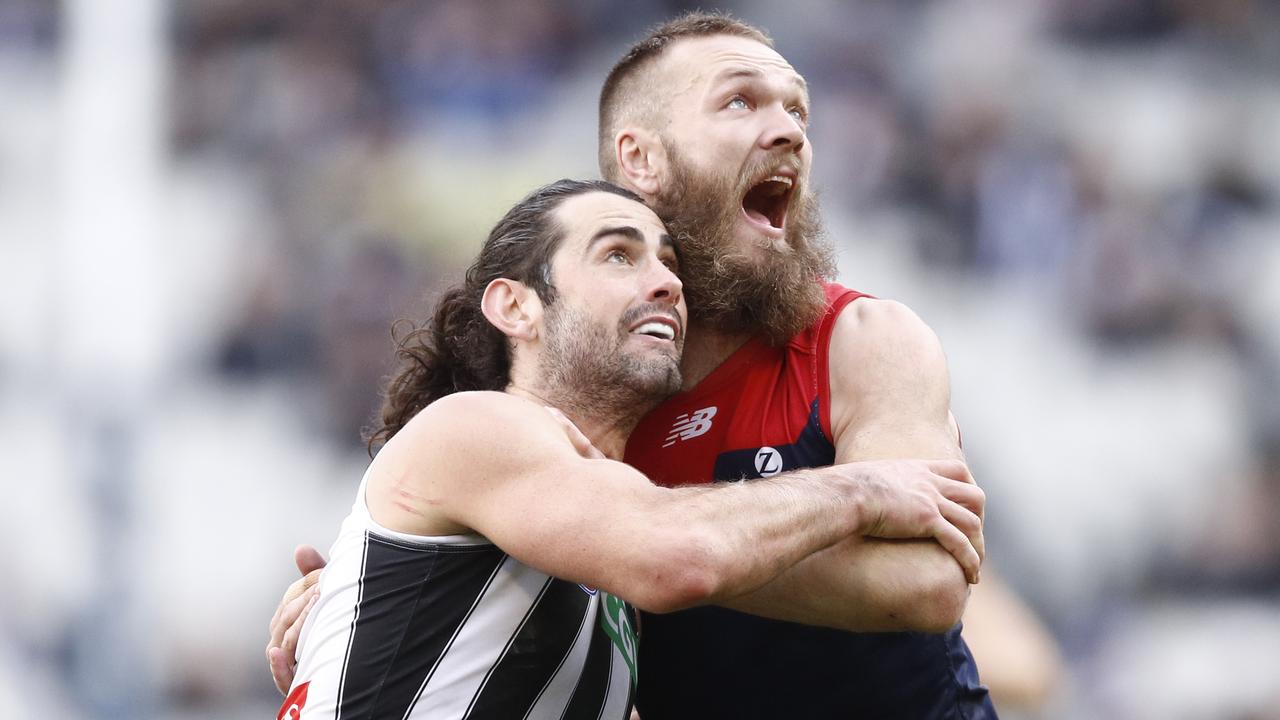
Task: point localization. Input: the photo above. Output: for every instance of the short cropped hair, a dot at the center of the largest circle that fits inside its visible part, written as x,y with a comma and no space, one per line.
629,94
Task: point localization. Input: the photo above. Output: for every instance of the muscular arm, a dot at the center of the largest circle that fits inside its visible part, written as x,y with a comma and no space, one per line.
501,466
890,399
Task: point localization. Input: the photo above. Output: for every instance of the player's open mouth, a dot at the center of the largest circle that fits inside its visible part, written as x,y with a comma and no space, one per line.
766,203
660,328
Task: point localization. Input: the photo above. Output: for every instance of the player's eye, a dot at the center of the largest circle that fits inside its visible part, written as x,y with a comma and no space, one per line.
617,256
799,114
738,103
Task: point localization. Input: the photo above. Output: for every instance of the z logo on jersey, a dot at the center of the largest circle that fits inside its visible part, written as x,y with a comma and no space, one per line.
768,462
688,426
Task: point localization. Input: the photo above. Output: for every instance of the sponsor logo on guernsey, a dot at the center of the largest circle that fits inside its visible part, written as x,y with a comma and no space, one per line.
617,625
292,707
689,426
768,462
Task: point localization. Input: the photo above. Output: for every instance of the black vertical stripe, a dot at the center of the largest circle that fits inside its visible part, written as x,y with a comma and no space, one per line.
412,603
355,616
593,686
582,627
534,653
506,647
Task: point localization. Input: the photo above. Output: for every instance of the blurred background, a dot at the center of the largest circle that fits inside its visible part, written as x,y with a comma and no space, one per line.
211,211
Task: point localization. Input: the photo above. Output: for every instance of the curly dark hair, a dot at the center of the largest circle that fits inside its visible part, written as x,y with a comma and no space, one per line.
458,349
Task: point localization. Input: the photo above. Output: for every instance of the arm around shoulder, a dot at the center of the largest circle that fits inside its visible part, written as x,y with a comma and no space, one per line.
602,523
501,466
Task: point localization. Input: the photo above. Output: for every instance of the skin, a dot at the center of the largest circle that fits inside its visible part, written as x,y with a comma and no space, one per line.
591,519
551,492
732,100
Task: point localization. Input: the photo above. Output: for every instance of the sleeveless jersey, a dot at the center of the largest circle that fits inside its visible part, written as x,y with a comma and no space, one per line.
763,411
408,626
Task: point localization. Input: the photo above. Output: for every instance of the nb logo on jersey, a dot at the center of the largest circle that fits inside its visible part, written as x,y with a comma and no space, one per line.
688,426
768,462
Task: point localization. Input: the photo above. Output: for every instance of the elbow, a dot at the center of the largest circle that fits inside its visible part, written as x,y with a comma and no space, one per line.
684,576
940,603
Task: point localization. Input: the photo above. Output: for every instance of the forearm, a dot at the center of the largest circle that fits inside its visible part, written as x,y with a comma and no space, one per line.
750,532
866,585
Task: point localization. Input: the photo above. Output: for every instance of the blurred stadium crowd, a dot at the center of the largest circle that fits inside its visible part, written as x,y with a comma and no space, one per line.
1082,197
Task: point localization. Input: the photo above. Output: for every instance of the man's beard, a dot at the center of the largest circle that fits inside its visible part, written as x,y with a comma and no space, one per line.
585,369
776,295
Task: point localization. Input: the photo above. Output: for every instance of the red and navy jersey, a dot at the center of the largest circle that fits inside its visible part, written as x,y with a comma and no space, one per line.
763,411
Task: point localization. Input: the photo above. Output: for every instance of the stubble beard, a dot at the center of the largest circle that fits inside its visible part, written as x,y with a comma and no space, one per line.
586,371
777,293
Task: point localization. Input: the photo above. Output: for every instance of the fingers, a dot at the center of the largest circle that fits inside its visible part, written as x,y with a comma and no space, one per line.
281,669
290,612
308,559
958,544
581,443
954,469
966,522
311,579
290,643
968,495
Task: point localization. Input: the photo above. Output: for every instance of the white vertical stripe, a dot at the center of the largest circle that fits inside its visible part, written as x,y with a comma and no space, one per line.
615,704
506,647
326,635
555,696
479,642
355,620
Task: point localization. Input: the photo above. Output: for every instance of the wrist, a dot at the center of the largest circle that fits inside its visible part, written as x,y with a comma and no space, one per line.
850,484
860,496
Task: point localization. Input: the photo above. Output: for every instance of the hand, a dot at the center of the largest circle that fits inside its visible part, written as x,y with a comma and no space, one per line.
292,612
580,442
923,499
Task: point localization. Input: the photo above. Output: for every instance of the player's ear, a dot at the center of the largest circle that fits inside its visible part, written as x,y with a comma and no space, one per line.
642,159
513,308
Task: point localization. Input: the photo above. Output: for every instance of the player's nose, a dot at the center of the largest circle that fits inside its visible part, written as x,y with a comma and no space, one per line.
782,129
663,285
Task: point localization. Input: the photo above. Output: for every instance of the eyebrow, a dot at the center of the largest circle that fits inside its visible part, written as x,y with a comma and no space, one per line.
631,234
624,230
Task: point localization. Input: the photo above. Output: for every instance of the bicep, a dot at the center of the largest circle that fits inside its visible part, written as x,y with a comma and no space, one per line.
890,389
536,498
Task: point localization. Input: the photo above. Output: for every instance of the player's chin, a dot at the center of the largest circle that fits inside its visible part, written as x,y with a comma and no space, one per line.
659,377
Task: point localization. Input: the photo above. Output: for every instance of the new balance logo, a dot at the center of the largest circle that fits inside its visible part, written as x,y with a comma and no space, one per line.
689,426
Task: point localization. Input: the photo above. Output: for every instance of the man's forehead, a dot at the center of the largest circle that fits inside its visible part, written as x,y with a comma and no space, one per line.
583,215
692,62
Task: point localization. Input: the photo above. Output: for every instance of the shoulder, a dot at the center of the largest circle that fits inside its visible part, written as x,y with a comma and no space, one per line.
883,332
473,426
890,387
884,361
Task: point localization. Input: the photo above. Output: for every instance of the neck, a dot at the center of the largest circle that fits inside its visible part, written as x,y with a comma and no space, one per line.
607,428
704,350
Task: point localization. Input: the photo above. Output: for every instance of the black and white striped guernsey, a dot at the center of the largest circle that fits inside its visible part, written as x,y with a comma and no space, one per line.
452,627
